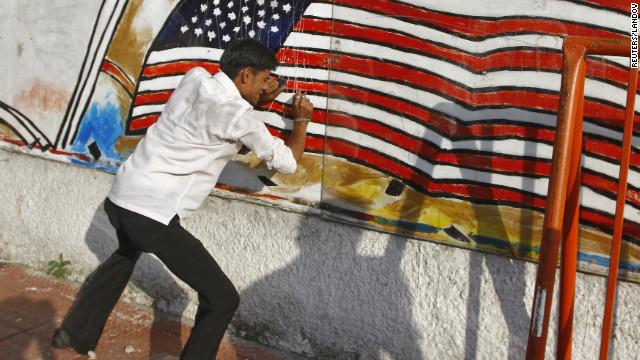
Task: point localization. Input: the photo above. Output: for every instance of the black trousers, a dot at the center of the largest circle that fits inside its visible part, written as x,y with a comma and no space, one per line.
182,254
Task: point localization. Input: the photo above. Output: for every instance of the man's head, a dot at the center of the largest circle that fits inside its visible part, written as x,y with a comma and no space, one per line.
248,62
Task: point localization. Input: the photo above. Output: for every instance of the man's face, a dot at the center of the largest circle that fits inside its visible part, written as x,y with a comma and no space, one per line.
256,85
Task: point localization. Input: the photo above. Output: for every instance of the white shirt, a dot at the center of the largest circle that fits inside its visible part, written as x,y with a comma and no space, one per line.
177,164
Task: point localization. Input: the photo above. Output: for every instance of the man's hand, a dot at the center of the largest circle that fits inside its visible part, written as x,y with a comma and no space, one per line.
272,89
302,107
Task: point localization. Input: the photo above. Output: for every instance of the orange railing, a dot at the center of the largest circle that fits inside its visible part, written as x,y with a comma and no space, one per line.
560,227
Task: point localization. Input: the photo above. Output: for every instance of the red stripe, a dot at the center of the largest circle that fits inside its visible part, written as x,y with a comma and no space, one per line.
110,68
178,67
516,59
607,222
614,4
156,97
143,122
477,27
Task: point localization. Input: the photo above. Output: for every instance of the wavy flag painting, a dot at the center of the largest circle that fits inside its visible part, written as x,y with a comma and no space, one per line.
433,119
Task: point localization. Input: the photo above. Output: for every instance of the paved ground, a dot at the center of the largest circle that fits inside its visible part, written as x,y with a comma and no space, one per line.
32,305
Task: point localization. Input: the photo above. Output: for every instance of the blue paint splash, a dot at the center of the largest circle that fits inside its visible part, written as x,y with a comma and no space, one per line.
101,124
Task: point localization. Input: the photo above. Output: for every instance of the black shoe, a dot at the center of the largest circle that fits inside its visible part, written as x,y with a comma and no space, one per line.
61,339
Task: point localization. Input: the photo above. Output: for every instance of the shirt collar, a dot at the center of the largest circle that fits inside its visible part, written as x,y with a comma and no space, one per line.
227,83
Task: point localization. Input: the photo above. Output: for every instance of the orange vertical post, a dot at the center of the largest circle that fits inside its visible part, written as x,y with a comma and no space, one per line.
569,253
561,220
619,219
572,73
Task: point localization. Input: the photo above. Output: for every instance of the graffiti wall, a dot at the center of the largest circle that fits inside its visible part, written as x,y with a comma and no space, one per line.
433,119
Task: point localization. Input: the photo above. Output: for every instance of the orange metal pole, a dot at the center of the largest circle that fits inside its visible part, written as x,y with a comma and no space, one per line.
566,174
570,237
600,46
573,71
619,219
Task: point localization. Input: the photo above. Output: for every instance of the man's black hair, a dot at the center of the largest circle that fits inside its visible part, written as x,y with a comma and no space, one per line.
244,53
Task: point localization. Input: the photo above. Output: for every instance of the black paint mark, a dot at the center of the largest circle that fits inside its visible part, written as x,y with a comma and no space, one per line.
95,150
455,233
265,180
395,188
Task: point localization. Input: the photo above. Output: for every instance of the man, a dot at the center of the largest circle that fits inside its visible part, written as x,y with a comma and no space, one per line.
172,171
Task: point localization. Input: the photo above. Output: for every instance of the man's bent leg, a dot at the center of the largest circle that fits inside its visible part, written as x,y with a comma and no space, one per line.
83,324
96,298
190,261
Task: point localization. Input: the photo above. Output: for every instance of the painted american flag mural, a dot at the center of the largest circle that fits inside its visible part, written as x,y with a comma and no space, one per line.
435,119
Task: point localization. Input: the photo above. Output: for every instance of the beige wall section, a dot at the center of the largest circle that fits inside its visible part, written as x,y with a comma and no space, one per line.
309,284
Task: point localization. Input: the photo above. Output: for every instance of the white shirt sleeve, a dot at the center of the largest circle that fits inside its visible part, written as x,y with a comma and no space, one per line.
255,135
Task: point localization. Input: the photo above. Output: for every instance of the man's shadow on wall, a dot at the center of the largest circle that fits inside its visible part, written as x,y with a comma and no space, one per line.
507,275
102,241
336,290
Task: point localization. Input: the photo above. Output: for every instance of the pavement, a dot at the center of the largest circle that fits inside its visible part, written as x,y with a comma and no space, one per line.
32,305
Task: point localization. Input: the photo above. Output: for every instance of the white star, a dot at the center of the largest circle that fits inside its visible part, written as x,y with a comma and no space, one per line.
261,13
226,38
203,7
184,29
208,22
198,32
217,12
247,20
260,2
275,17
222,25
261,24
252,33
274,4
211,35
287,8
236,29
194,19
216,2
231,16
230,4
274,29
245,9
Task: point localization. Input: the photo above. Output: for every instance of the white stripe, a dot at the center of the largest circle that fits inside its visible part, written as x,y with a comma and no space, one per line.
185,53
395,24
455,73
147,109
551,10
160,83
98,46
558,10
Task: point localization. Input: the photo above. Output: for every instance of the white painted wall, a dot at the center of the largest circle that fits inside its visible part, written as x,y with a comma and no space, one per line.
309,284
